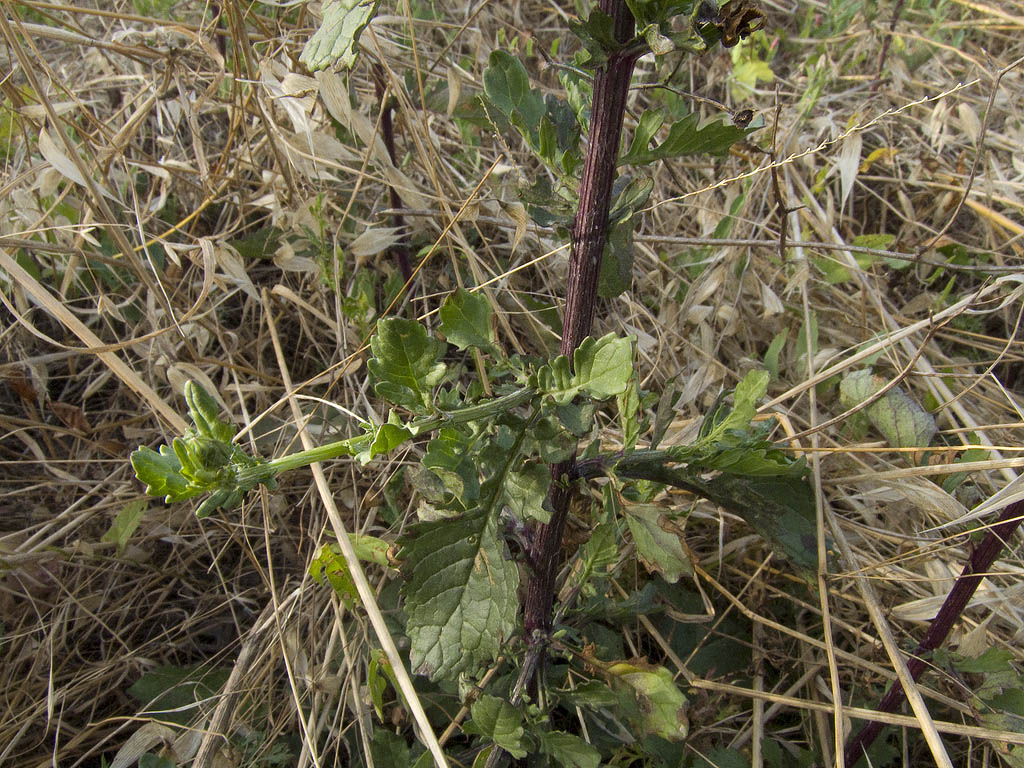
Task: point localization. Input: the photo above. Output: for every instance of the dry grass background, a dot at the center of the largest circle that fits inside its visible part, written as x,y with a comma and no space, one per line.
137,156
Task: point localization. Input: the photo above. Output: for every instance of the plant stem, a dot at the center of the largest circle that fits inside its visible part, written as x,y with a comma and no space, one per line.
589,235
400,250
952,609
349,446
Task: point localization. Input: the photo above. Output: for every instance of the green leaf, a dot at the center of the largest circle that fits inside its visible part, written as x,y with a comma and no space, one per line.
507,86
150,760
460,594
497,720
658,541
685,137
597,33
900,420
629,409
661,704
449,456
389,749
603,369
771,356
125,523
175,694
406,363
330,566
337,39
526,490
466,320
724,758
616,275
569,751
780,509
721,421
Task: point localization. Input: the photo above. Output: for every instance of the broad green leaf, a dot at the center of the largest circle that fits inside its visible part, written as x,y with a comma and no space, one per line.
499,721
406,363
175,694
603,369
657,540
724,758
780,509
569,751
525,491
449,456
902,422
460,594
722,420
661,704
389,749
466,320
507,86
125,523
337,39
685,137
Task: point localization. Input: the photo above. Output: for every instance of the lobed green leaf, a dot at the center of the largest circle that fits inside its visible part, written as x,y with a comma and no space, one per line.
406,363
337,39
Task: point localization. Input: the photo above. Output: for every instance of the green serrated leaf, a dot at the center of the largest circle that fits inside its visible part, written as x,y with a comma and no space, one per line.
657,540
125,523
661,704
569,751
460,594
466,320
900,420
337,39
497,720
685,137
406,363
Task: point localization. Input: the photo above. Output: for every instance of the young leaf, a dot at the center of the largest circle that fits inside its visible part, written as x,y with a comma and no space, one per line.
657,541
337,40
499,721
661,704
460,594
603,369
902,422
569,751
466,320
125,523
406,363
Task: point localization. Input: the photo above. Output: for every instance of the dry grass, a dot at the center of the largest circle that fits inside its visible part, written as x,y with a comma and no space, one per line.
138,156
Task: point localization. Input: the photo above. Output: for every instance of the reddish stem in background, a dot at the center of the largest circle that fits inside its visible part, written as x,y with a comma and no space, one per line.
952,609
387,131
589,235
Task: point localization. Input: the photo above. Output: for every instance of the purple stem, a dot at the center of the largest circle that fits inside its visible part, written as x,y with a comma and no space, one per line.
956,601
589,235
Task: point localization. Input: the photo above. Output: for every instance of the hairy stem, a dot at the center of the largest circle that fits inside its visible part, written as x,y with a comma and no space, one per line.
589,235
952,609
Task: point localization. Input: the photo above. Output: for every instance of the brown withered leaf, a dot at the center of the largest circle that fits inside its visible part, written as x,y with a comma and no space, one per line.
738,19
